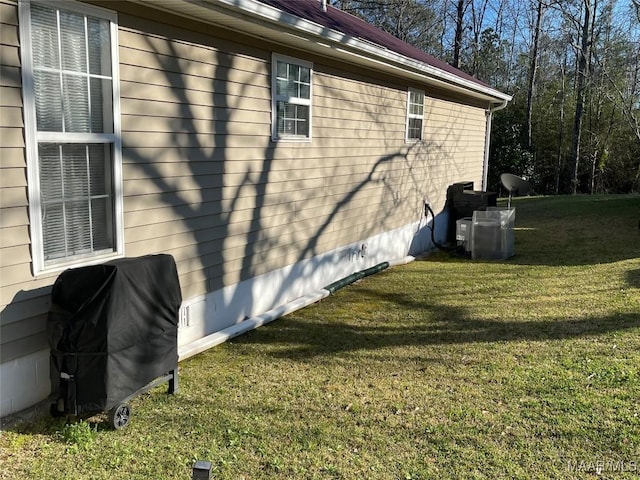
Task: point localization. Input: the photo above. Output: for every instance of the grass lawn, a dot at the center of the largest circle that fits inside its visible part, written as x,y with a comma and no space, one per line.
444,368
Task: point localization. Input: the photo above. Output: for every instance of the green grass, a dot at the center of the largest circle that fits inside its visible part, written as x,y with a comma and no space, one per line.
444,368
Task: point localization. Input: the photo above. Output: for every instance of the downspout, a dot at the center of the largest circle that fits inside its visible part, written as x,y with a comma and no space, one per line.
487,141
349,279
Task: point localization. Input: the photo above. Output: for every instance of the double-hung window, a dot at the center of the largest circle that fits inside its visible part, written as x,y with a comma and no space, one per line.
291,99
70,81
415,115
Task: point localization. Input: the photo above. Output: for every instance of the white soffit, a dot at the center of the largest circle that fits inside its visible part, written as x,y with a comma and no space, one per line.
264,21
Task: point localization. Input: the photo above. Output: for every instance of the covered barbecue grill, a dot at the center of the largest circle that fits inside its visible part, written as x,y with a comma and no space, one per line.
112,331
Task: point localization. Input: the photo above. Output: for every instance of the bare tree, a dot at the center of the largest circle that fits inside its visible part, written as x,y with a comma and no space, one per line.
533,66
560,160
457,42
627,103
477,26
589,7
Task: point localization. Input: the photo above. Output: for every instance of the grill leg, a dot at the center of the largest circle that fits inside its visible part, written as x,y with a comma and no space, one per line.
173,381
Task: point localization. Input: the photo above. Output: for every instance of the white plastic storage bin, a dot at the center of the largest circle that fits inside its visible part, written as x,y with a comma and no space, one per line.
492,236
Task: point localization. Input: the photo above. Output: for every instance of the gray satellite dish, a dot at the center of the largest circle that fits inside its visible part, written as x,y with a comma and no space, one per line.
515,185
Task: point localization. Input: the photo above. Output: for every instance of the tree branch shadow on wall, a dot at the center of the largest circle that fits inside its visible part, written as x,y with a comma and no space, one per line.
206,220
188,175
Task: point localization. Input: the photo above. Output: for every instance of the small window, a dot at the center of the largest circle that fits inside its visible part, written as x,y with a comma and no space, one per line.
415,115
291,99
72,130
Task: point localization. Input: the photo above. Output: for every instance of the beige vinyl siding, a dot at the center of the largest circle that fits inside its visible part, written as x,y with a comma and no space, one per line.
184,115
204,182
23,301
202,179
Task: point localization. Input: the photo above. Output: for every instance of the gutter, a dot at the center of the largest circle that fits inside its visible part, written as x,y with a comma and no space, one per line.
306,26
264,21
487,141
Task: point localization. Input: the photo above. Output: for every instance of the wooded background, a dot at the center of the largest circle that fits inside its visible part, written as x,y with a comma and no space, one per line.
572,67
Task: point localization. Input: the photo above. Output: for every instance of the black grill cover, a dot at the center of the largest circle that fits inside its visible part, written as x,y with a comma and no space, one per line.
112,329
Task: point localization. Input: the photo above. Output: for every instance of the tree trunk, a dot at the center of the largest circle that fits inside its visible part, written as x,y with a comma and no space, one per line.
563,69
476,25
533,65
583,72
594,162
457,42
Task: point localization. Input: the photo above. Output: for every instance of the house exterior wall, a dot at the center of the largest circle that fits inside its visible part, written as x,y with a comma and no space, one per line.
252,223
24,373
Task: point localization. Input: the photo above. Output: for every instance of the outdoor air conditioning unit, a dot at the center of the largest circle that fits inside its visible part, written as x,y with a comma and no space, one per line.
463,200
463,234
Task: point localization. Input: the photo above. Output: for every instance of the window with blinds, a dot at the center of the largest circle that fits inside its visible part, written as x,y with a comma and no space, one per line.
291,91
69,90
415,115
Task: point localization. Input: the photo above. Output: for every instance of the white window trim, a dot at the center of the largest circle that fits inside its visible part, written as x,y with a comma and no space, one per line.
299,101
32,137
413,115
